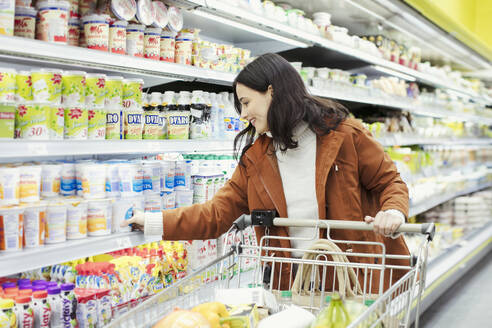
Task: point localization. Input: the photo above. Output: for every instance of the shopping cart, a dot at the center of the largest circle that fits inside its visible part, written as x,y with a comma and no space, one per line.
322,271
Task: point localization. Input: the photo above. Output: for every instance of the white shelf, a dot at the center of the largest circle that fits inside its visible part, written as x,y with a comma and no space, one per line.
30,259
38,148
428,204
401,140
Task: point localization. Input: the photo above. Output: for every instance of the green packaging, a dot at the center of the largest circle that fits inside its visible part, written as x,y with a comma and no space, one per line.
114,92
31,121
76,123
95,90
24,86
7,84
7,120
47,85
113,124
57,122
97,124
132,93
74,89
133,124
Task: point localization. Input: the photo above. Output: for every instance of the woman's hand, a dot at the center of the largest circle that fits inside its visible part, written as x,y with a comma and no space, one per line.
138,220
386,222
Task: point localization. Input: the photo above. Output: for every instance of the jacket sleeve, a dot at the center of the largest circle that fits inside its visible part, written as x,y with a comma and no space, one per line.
212,218
378,174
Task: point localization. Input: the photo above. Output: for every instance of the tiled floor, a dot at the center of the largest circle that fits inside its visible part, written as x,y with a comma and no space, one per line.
466,306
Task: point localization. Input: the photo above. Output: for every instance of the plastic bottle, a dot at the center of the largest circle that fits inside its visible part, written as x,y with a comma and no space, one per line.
24,312
285,300
42,310
7,314
200,117
334,315
229,117
69,305
55,302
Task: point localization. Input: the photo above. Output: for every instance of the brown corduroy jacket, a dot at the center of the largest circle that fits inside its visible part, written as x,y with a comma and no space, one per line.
354,178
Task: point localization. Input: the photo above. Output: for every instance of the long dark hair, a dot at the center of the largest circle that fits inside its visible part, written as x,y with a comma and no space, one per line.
290,104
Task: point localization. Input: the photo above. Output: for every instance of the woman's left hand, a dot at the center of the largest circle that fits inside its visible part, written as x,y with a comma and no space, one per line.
385,222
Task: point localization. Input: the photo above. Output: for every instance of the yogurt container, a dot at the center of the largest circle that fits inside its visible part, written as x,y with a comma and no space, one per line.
73,88
132,93
11,219
56,122
153,203
133,123
178,124
7,120
25,22
76,218
47,85
184,198
78,175
76,123
117,37
95,90
145,12
87,7
114,92
24,86
182,178
50,180
7,84
135,40
96,31
7,10
99,217
74,9
175,19
124,10
34,225
94,180
168,45
74,31
168,200
113,124
131,179
55,303
168,170
56,222
97,124
113,178
68,183
30,183
52,25
184,48
160,19
151,177
123,209
31,121
9,185
152,43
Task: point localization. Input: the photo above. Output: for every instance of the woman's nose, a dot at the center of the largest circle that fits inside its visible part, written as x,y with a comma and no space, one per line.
244,114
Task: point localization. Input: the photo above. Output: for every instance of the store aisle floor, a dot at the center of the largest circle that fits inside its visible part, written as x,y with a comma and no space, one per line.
467,305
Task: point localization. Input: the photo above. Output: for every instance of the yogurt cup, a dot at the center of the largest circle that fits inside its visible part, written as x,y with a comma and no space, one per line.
152,43
76,218
168,171
184,198
34,225
10,185
52,25
7,10
73,88
114,92
11,219
135,40
7,84
133,124
113,124
95,90
97,124
68,183
24,86
73,31
31,121
47,85
50,179
99,217
132,93
56,222
86,7
117,37
74,9
96,31
25,22
30,183
94,180
131,179
153,203
7,120
151,177
168,200
175,19
124,9
113,178
145,12
160,19
56,122
123,209
168,45
76,123
184,48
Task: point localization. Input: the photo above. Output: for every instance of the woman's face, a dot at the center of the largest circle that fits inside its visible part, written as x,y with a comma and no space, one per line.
254,106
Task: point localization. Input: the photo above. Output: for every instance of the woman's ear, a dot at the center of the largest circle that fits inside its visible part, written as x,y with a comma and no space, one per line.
270,90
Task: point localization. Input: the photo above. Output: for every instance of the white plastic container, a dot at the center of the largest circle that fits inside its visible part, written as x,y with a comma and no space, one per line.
168,200
76,218
53,23
94,181
96,31
99,217
74,31
168,45
78,175
151,177
56,222
30,183
68,183
113,178
10,185
131,183
168,171
11,234
153,203
117,37
34,225
152,43
7,9
184,48
123,209
25,22
135,40
184,198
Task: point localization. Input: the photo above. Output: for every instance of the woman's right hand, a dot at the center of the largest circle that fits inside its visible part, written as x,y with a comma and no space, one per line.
150,223
137,220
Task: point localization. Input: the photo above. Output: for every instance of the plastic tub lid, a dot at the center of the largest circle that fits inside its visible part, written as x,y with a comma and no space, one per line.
137,79
124,9
21,11
136,27
67,287
175,19
74,73
47,70
74,21
168,33
25,286
119,23
161,17
52,284
23,281
9,285
95,18
97,75
145,12
114,78
54,290
53,4
153,30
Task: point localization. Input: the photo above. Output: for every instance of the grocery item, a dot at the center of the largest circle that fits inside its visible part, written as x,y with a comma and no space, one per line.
132,93
117,37
153,203
7,315
175,19
56,124
74,31
55,303
131,180
7,120
334,314
69,305
292,317
184,198
50,180
200,124
114,92
76,218
31,121
113,178
76,123
152,42
24,86
30,183
7,17
133,124
74,9
74,88
56,222
41,309
99,217
68,186
9,185
11,219
25,22
178,124
97,124
96,31
34,225
151,177
124,9
95,90
168,200
153,124
168,171
24,312
123,209
184,48
86,314
113,124
135,40
47,85
94,180
7,84
168,45
53,21
182,178
160,18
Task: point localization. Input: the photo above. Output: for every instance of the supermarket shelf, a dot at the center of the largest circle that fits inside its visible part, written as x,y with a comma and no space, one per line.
401,140
440,199
18,53
38,148
403,104
30,259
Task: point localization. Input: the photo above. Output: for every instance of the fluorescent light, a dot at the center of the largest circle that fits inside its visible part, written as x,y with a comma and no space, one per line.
248,28
394,73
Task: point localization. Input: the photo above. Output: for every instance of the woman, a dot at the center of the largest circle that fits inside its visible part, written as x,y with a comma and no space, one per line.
304,158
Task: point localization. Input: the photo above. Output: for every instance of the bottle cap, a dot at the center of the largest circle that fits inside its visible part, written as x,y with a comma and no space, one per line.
53,290
40,294
67,287
40,282
25,286
52,284
369,302
286,293
22,299
328,299
37,288
9,285
25,292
